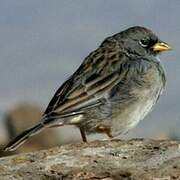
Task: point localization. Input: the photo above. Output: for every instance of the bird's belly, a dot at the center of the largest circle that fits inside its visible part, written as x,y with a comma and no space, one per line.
124,120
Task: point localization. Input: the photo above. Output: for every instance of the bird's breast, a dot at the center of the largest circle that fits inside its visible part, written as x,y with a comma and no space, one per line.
143,93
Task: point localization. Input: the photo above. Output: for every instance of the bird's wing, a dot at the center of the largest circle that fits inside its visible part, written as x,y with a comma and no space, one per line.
99,72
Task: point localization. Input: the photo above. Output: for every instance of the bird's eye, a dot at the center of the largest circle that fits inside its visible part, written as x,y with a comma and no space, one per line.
144,42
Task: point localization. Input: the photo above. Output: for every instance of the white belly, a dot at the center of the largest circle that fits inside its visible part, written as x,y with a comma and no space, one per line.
131,115
139,112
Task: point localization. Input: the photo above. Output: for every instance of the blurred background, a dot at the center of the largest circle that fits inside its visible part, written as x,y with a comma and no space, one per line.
43,42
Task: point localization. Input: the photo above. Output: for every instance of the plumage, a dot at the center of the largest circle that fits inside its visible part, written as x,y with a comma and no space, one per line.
113,89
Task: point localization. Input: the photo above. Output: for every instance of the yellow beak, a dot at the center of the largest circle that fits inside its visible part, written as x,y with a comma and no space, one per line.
161,46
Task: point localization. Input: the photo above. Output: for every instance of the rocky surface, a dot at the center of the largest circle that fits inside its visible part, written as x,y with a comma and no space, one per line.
133,159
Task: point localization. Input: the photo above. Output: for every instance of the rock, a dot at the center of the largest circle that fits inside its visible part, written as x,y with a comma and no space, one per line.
107,160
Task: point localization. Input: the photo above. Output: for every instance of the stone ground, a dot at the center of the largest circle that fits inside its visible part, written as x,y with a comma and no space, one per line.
108,160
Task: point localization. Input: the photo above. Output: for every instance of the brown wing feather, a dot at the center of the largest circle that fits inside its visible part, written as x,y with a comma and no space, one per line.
97,74
59,96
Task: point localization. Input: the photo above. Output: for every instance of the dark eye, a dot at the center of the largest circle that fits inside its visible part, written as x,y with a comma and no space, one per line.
144,42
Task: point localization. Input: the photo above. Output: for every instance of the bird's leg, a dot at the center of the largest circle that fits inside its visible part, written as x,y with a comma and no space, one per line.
83,134
107,131
109,134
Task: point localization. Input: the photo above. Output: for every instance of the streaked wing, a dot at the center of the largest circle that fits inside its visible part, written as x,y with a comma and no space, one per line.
99,72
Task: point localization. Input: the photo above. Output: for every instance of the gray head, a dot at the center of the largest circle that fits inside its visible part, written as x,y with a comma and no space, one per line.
141,41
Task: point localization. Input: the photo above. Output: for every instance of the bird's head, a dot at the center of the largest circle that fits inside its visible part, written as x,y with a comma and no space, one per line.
141,41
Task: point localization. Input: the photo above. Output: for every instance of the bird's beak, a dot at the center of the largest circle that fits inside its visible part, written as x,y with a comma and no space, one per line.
161,46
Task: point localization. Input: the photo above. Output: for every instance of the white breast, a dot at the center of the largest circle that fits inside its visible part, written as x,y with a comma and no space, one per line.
139,112
135,112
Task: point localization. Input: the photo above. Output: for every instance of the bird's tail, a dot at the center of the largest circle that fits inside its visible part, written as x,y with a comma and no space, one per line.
14,144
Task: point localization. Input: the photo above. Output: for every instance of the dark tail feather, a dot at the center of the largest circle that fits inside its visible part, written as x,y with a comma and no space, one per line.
14,144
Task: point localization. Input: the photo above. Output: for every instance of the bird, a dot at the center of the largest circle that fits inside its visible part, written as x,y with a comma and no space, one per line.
113,89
